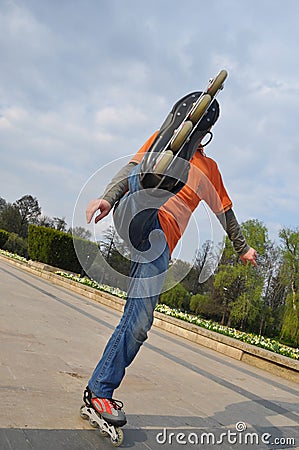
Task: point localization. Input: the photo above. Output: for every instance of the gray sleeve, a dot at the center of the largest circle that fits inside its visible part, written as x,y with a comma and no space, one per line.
118,186
230,224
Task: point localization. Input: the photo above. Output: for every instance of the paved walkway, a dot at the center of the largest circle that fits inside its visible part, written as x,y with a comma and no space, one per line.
176,394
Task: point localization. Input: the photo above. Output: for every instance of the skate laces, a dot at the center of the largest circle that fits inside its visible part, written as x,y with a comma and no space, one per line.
117,404
89,399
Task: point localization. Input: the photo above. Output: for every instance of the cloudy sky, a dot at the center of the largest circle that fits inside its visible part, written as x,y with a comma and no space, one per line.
83,83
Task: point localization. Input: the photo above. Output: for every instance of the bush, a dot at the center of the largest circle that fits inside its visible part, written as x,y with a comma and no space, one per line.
197,302
4,235
176,297
56,248
206,306
16,244
290,325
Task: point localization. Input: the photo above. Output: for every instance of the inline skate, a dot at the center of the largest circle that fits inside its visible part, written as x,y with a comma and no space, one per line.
105,414
166,163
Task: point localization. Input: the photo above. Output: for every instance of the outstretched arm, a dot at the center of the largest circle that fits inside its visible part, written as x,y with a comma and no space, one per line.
113,192
230,224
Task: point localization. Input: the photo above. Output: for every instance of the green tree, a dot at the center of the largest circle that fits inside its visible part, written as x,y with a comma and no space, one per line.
274,292
114,250
176,297
59,223
197,302
290,276
179,272
46,221
4,235
16,244
290,325
199,278
80,232
205,306
17,216
239,288
29,209
256,234
228,287
2,204
247,306
11,219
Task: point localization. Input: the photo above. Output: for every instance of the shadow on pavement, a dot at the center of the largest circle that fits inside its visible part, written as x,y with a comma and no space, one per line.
159,432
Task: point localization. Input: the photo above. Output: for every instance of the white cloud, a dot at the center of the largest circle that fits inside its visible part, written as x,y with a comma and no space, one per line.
80,87
114,118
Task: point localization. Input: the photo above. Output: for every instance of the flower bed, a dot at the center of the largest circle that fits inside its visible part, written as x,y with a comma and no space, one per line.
249,338
13,255
94,284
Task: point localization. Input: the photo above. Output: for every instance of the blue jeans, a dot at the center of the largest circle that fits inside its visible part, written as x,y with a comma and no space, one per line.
150,259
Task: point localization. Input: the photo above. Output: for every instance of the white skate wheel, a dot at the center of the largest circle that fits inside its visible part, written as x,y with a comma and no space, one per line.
119,439
217,82
103,432
201,108
83,415
181,136
163,161
93,423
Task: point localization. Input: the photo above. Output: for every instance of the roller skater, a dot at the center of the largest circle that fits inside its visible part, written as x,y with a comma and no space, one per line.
107,414
154,196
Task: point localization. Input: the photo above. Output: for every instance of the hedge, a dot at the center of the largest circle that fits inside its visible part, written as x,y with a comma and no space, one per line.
56,248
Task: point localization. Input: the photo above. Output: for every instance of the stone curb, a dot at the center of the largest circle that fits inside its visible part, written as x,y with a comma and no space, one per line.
274,363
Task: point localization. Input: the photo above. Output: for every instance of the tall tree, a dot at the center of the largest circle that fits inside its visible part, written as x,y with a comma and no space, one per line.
59,223
2,204
80,232
239,288
11,219
176,297
290,274
46,221
116,253
274,292
199,278
29,210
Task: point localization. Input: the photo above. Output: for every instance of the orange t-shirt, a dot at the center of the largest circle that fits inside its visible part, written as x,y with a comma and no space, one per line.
204,183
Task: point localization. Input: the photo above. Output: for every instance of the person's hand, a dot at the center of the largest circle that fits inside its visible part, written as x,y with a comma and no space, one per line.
99,204
249,256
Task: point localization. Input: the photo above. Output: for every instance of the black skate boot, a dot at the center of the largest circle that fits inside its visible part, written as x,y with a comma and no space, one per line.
166,164
107,414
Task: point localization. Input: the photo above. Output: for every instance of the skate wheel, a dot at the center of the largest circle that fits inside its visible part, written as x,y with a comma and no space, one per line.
181,136
93,423
82,414
103,433
217,82
119,439
201,108
163,162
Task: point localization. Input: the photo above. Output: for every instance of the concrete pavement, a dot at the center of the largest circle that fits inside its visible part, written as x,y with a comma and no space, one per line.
176,394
